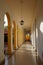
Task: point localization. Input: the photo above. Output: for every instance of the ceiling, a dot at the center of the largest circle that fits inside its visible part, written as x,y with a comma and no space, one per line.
28,10
14,8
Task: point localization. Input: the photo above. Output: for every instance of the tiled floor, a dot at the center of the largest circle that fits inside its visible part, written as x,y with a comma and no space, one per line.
25,55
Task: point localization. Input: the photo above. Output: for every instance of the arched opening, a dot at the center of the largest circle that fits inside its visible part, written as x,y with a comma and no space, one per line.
7,34
27,37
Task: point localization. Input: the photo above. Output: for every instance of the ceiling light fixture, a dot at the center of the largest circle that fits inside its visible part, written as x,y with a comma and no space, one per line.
22,21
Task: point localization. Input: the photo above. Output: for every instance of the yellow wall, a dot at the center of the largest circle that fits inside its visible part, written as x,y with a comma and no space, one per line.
20,34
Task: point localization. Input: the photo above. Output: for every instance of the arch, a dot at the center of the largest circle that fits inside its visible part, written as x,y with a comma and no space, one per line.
9,33
8,16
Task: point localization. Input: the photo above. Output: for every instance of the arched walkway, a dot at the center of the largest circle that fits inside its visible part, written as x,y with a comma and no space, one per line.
9,33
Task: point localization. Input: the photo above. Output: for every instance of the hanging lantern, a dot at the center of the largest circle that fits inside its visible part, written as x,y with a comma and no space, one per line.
21,22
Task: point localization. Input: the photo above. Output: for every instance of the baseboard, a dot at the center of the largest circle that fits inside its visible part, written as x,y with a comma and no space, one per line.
2,62
39,61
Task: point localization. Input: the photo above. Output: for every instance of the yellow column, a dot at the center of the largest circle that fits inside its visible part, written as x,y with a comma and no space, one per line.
9,39
15,39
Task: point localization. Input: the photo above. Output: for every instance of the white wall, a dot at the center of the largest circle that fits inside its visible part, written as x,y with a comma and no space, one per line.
39,34
1,38
33,36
